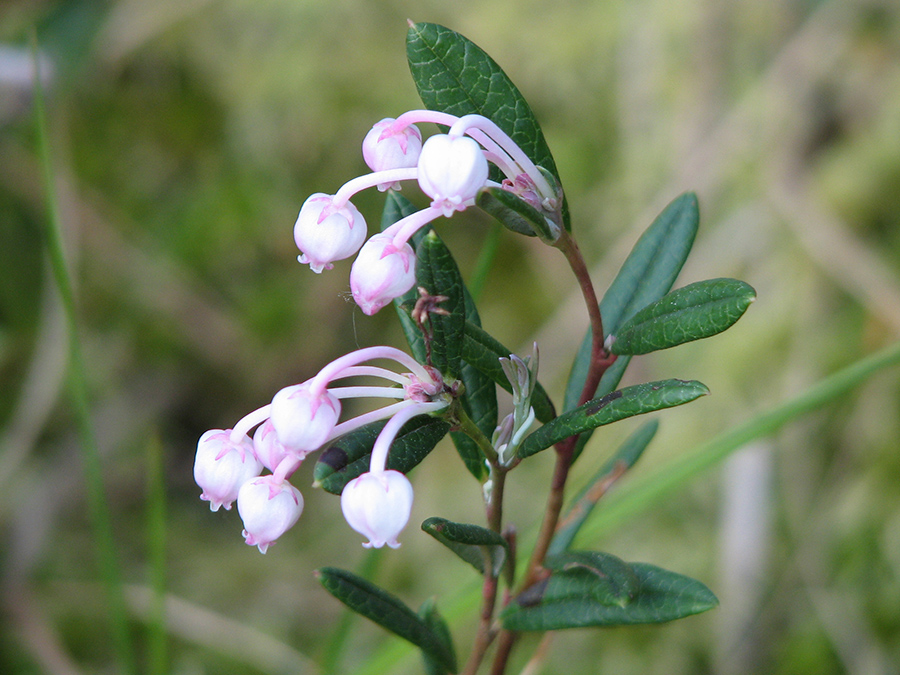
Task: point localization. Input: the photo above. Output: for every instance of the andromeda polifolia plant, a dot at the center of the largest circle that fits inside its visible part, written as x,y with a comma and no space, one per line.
475,144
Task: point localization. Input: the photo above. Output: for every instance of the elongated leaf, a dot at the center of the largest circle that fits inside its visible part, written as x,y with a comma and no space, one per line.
627,402
348,457
646,275
694,312
388,611
578,598
454,75
482,351
472,543
437,273
624,458
514,213
428,612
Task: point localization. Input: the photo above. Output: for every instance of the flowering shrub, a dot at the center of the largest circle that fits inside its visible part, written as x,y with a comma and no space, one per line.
493,156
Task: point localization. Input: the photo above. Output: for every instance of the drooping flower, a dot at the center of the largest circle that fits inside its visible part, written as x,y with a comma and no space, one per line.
269,507
325,233
303,420
221,466
452,171
381,272
378,506
384,149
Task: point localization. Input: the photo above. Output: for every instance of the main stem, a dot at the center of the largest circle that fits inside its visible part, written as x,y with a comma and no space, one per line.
600,361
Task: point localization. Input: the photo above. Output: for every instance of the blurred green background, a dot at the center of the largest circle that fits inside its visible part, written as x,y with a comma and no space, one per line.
185,136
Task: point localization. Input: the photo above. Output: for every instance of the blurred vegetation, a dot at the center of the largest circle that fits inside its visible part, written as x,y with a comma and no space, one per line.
186,134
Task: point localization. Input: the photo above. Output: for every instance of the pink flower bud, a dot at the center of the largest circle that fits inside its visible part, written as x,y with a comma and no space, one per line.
452,171
303,421
381,272
377,505
267,447
384,150
325,234
221,467
269,508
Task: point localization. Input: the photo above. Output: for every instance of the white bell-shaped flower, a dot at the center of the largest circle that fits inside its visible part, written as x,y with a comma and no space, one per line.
381,272
269,507
451,171
302,420
221,467
384,150
325,234
267,447
378,505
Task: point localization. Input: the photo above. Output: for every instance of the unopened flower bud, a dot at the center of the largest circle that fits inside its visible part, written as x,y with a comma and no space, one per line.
325,234
269,508
221,467
451,171
381,272
301,420
378,505
384,150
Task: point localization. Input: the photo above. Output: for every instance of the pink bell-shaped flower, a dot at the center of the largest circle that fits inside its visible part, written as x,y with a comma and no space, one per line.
451,171
378,505
384,150
221,467
269,507
381,272
325,234
267,447
302,420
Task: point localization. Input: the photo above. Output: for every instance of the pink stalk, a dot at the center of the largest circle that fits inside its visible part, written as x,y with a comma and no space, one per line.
360,183
286,467
334,370
361,391
404,228
373,416
248,421
389,433
374,371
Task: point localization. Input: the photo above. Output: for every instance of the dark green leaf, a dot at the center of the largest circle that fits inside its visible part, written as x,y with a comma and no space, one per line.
437,273
429,614
483,352
576,597
348,457
514,212
694,312
455,76
624,458
474,544
646,275
388,611
627,402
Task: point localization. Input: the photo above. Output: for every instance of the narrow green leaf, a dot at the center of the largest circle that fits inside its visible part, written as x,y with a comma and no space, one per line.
437,273
428,612
474,544
575,597
627,402
455,76
624,458
482,351
388,611
348,457
514,212
693,312
646,275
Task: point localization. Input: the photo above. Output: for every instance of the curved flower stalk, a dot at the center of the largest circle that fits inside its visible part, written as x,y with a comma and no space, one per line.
301,419
450,168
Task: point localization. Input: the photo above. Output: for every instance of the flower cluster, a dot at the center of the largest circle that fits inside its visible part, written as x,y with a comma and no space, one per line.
450,168
303,418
